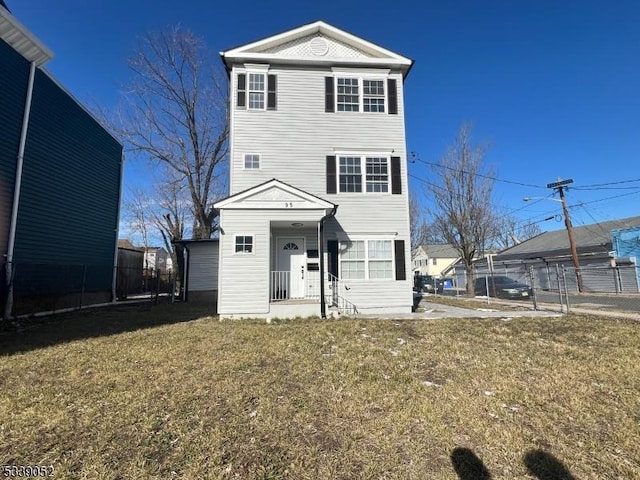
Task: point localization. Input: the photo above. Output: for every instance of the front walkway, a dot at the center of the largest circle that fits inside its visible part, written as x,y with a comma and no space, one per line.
436,310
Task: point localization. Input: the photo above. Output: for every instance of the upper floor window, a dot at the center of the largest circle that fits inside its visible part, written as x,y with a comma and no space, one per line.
251,161
348,95
350,174
375,177
377,174
355,94
373,95
256,91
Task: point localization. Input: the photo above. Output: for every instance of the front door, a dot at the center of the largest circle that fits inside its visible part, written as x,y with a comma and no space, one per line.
291,259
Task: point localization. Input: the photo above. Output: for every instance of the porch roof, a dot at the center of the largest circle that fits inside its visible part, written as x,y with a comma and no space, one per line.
274,195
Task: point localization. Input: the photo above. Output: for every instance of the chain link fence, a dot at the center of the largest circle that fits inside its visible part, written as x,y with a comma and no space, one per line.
44,287
556,286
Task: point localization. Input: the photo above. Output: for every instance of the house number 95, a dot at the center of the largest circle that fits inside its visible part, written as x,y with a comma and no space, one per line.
288,204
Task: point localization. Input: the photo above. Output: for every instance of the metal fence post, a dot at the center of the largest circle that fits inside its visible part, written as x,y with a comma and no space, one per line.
84,279
486,286
158,278
566,289
559,287
533,288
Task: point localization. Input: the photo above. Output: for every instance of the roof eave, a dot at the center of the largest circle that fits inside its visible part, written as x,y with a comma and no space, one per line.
239,58
22,40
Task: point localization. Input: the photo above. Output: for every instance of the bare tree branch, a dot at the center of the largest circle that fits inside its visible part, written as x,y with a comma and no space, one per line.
175,113
462,214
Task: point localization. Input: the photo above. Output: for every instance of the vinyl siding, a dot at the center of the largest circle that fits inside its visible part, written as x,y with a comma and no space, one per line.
295,139
70,190
244,278
203,266
293,142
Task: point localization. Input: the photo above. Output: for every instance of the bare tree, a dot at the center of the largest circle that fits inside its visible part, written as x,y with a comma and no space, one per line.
160,216
461,188
509,231
176,114
417,224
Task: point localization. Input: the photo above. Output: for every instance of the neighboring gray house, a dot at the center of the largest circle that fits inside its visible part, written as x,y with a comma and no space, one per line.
317,215
593,243
543,252
434,259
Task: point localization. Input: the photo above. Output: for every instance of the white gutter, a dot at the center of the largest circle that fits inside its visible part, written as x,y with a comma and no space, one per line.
115,253
8,309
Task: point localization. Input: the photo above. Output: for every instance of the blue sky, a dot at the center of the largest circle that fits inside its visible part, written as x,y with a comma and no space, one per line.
552,86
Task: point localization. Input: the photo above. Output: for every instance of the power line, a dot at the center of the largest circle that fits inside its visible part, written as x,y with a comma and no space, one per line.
610,183
608,198
433,164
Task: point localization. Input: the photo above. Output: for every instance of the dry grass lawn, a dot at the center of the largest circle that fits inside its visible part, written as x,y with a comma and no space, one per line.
170,393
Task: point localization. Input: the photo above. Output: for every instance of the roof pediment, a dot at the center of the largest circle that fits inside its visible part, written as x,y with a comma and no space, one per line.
318,43
274,195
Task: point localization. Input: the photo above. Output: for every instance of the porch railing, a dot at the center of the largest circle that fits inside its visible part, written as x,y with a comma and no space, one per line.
334,290
281,285
334,296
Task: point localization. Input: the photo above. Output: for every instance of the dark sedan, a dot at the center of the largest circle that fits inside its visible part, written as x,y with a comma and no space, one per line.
501,287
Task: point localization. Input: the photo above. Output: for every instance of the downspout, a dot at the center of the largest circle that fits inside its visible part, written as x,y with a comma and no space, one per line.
115,254
8,310
323,307
186,264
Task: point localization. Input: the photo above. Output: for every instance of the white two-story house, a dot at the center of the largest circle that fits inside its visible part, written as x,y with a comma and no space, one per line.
317,218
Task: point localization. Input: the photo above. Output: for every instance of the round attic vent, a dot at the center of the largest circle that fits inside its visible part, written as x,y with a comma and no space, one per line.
319,46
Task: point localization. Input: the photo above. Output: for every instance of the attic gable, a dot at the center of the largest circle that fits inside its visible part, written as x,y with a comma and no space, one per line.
317,43
274,195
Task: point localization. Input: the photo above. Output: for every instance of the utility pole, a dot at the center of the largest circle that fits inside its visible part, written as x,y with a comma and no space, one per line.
560,185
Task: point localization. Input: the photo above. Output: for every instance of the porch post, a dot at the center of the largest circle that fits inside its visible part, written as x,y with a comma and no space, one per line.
323,309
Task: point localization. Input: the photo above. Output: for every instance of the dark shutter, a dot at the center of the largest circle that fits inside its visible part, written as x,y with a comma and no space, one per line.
396,178
401,273
329,102
242,90
332,251
331,174
271,92
393,96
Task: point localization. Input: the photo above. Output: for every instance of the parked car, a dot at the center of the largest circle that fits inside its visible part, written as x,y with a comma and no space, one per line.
501,287
427,284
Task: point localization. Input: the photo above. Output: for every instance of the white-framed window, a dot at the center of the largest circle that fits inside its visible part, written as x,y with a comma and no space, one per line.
434,261
373,96
352,176
360,95
348,98
244,244
377,178
256,90
366,259
251,161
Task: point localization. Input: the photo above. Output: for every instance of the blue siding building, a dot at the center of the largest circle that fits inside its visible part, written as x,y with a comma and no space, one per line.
626,245
60,182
